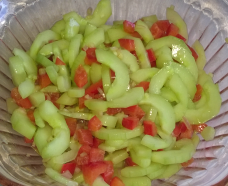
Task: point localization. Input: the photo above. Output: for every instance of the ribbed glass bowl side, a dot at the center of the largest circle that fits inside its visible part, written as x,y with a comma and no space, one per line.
21,21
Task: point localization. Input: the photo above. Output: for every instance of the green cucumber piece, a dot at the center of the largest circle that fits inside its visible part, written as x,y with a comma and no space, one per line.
89,29
96,105
201,60
67,100
170,171
142,162
42,136
95,72
143,74
78,177
17,70
208,133
26,88
39,121
99,181
142,151
94,39
106,78
144,31
108,121
22,124
11,105
134,171
116,33
59,26
137,181
76,92
52,74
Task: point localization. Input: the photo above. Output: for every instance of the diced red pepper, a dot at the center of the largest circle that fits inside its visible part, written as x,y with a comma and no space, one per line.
83,155
189,162
30,114
28,140
134,111
59,62
80,77
128,26
194,54
151,57
187,134
108,174
129,162
130,122
94,124
24,103
92,171
96,155
15,94
90,56
128,44
97,142
173,30
159,28
84,137
113,111
117,182
68,166
150,128
44,80
198,94
136,34
81,102
199,128
144,84
71,123
181,37
180,127
93,89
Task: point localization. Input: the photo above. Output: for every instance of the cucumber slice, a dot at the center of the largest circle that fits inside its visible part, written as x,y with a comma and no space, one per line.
208,133
201,61
137,181
144,31
26,88
142,151
58,27
134,171
142,162
37,98
66,100
39,121
99,181
143,74
95,72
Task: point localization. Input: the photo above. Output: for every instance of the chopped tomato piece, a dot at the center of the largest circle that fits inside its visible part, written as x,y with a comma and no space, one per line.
136,34
112,74
144,84
83,155
44,80
128,26
159,28
15,94
94,124
117,182
134,53
150,128
151,57
68,166
199,128
59,62
92,171
187,134
93,89
90,53
30,114
180,127
198,94
156,31
97,142
24,103
113,111
134,111
163,24
194,54
189,162
96,155
128,44
84,137
181,37
28,140
129,162
130,122
80,77
71,123
108,174
81,102
173,30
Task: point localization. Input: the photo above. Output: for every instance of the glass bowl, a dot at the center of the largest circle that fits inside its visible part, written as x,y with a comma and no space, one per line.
207,21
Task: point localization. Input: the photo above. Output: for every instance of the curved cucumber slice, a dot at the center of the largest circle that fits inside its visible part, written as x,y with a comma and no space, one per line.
185,152
153,175
95,72
48,48
210,109
169,171
168,94
41,39
58,27
201,61
165,111
154,143
120,84
143,74
94,39
96,105
208,133
134,171
176,19
137,181
42,136
159,79
144,31
108,121
130,98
